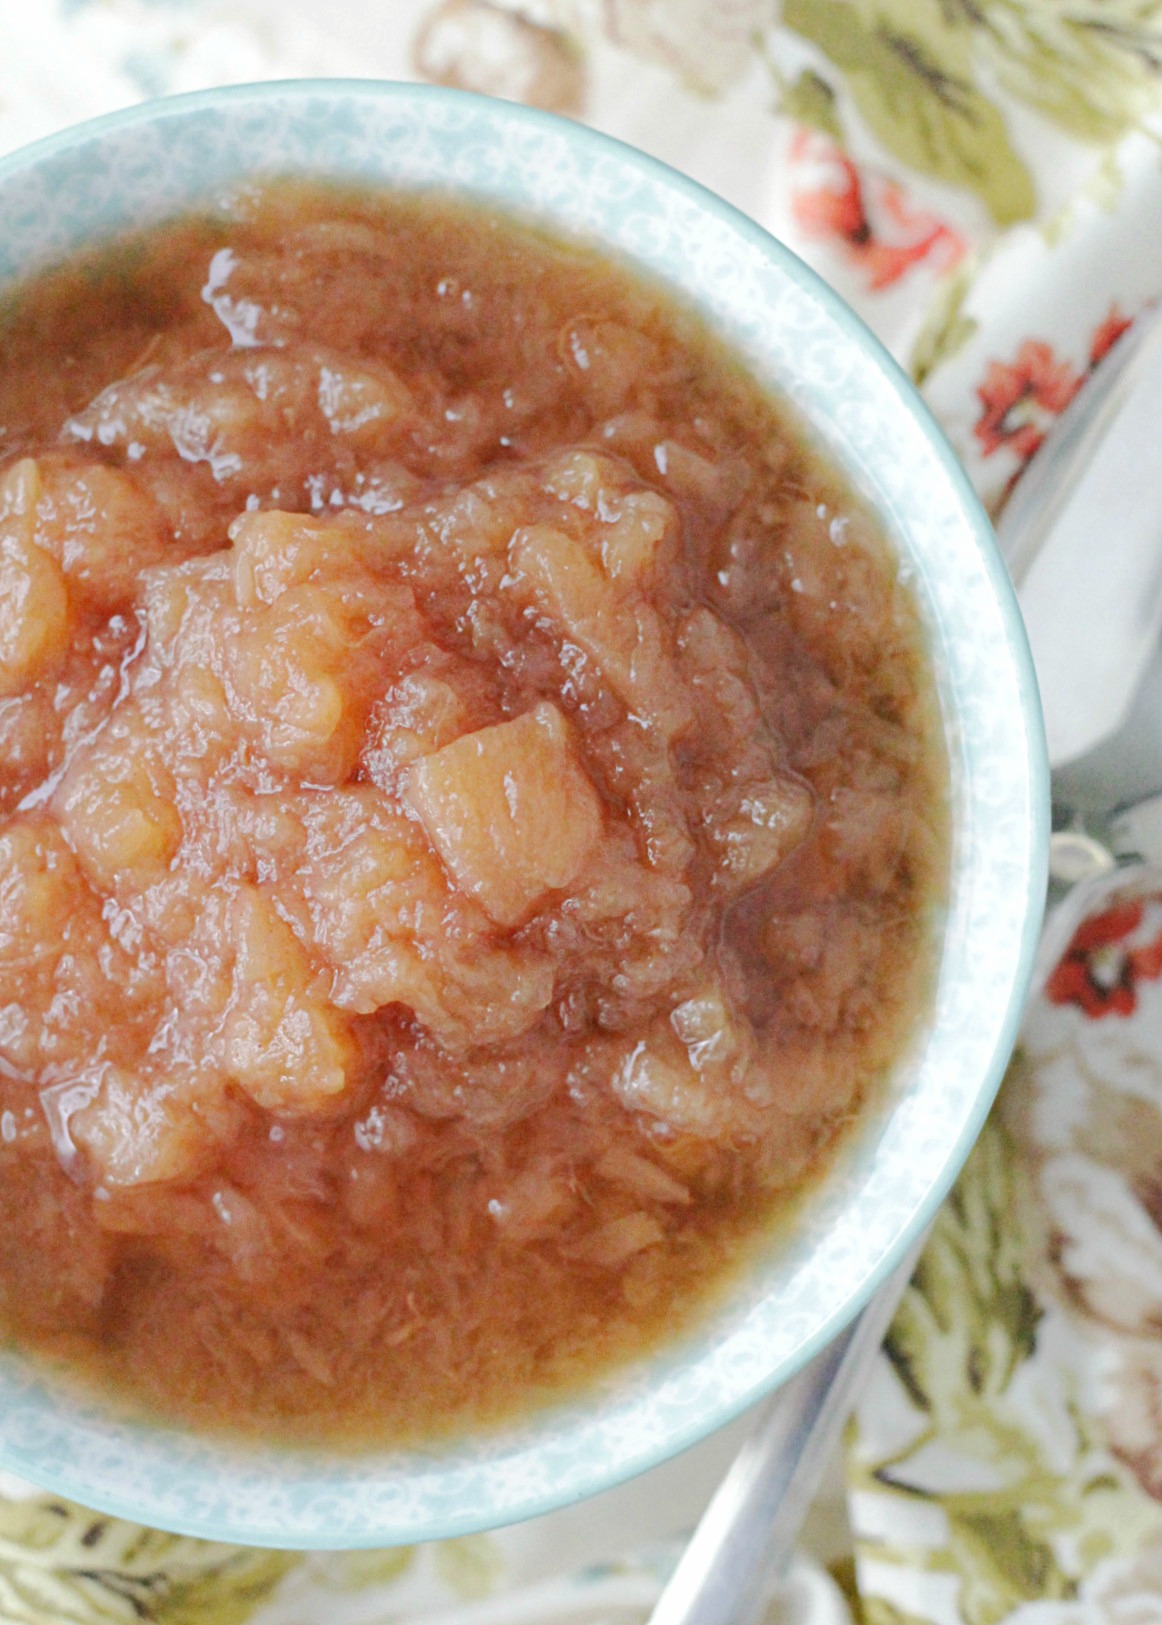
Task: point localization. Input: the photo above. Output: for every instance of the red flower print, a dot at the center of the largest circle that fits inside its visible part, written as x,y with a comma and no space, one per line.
1021,397
1101,970
867,218
1107,335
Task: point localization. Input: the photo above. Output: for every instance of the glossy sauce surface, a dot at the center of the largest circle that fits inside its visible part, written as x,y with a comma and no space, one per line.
470,812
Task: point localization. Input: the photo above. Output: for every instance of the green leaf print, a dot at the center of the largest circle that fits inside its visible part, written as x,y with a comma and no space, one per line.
910,75
875,1610
946,327
62,1564
1030,1501
1004,1566
228,1595
810,100
1092,66
968,1319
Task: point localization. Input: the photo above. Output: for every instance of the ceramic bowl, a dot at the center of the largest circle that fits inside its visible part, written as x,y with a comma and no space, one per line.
143,165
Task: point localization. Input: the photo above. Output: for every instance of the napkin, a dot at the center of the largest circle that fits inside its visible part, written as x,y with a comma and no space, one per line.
982,180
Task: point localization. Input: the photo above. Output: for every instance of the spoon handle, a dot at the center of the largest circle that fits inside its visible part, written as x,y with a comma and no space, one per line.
749,1528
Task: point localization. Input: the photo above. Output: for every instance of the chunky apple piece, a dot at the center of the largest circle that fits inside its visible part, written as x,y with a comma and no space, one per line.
510,811
137,1127
274,551
38,890
621,634
304,672
102,530
34,601
361,403
44,912
766,822
632,538
573,591
286,1047
116,805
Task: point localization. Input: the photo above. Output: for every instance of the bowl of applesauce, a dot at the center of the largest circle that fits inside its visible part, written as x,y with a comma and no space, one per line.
522,813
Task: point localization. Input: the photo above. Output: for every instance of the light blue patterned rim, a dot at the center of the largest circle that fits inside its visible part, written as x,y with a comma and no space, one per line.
145,164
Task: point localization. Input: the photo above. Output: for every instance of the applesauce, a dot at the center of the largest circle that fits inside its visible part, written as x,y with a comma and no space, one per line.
471,809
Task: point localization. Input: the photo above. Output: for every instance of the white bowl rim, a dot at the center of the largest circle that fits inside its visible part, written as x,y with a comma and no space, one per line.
1033,765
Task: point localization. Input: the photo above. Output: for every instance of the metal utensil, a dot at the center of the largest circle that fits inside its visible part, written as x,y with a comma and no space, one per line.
1107,810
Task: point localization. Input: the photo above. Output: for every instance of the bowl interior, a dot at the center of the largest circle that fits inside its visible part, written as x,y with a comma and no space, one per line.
142,166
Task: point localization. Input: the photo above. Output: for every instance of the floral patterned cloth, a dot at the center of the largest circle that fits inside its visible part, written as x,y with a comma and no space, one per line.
982,179
1007,1462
